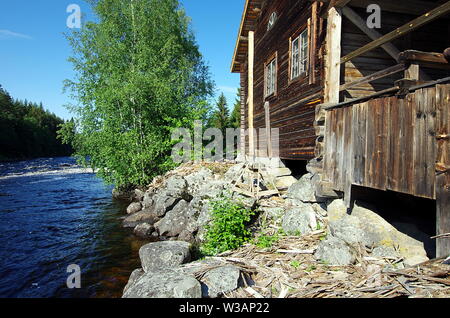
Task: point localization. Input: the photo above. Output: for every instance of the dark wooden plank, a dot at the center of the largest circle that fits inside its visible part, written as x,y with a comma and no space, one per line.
395,140
360,143
407,146
420,143
370,145
430,143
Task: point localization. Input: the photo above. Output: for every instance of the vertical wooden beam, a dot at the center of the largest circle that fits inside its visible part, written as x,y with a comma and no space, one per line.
243,105
442,166
313,44
251,62
331,90
332,60
268,129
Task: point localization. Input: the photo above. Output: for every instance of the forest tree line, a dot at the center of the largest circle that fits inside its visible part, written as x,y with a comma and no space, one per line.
27,130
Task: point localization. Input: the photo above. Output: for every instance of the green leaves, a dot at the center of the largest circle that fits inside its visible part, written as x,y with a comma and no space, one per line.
227,229
139,75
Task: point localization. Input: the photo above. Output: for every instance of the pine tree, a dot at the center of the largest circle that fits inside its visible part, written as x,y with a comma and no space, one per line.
221,119
235,118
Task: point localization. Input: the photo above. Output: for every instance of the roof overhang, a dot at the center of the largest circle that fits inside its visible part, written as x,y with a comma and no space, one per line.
248,22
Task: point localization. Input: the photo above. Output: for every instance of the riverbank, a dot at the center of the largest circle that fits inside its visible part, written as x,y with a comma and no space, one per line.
301,245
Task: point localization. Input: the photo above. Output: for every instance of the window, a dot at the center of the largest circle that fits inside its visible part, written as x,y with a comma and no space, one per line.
271,77
272,20
299,55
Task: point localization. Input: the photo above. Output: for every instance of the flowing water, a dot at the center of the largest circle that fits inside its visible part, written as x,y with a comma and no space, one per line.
54,214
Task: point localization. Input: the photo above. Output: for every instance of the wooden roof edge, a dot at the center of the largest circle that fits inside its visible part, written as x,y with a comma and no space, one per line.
234,62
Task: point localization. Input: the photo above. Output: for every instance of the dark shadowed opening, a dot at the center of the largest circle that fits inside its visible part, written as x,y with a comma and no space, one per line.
298,167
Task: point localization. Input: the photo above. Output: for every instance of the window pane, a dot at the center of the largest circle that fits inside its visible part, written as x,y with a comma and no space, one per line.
304,51
295,58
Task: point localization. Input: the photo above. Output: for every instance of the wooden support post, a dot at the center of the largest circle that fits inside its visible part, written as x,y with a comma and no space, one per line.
413,72
332,85
251,62
443,214
442,166
268,129
332,66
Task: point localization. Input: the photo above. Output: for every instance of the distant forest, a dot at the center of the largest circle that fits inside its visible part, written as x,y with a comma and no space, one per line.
27,130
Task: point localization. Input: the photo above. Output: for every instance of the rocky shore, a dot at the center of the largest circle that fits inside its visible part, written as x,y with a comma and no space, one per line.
175,209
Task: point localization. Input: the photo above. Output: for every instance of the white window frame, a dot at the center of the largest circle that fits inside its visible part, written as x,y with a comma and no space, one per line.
299,55
270,83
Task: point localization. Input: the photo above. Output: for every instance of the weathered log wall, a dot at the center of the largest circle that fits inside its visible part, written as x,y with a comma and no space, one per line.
389,143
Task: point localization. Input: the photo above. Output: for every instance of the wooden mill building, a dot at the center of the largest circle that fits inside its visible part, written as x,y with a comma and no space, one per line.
360,91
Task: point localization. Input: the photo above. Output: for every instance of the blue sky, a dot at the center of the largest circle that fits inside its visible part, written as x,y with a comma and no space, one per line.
34,52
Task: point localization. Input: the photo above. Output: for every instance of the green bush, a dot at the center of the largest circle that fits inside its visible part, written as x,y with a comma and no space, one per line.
228,227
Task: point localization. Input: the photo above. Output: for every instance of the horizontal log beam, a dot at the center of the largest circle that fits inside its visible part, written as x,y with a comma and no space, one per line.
375,76
421,58
401,31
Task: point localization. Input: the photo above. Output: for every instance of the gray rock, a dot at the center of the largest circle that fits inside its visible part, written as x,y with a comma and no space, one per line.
134,207
175,221
176,186
211,190
168,254
221,280
286,182
147,201
139,195
384,234
186,236
234,172
385,252
144,230
134,277
274,213
197,180
350,230
336,210
247,202
144,216
299,220
334,251
303,190
164,283
164,203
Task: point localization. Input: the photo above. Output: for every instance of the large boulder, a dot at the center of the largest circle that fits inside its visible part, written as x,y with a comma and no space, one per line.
144,230
221,280
336,210
164,283
147,200
175,220
335,251
162,203
134,277
197,180
167,254
383,233
144,216
176,186
304,190
300,220
134,207
234,172
351,231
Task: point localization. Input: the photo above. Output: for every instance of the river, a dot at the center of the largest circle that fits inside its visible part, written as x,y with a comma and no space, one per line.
54,214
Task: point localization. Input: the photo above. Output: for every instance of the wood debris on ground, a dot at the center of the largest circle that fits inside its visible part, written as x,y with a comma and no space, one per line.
289,270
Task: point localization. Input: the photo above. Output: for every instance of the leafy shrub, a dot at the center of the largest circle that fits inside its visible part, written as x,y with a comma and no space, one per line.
227,229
